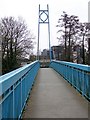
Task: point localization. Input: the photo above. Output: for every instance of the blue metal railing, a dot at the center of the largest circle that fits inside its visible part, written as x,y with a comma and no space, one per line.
15,88
78,75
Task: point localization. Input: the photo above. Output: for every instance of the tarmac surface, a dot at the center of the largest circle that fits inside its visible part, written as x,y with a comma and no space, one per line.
54,97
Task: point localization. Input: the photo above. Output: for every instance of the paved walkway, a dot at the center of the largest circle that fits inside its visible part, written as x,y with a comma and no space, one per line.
53,97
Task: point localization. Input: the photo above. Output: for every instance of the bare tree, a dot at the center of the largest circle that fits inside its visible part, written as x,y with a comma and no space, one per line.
17,41
83,32
68,28
62,25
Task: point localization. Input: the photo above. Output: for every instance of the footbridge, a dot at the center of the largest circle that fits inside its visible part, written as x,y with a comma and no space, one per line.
60,91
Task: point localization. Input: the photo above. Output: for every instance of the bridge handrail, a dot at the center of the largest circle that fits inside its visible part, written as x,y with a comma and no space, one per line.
74,65
15,86
5,80
78,75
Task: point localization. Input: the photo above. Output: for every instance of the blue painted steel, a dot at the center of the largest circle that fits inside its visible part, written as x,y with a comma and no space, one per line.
78,75
16,87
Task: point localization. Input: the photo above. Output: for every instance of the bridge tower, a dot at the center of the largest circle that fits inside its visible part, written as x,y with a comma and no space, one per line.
42,20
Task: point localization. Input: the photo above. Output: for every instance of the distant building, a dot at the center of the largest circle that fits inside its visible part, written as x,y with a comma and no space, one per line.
57,52
45,54
77,54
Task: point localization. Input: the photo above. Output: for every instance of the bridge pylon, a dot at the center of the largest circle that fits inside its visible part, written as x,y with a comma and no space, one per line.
42,20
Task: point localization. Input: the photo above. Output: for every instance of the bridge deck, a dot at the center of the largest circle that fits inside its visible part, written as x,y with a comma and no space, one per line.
53,97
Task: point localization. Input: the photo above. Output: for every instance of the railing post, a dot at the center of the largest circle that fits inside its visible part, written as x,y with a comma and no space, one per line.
21,94
13,103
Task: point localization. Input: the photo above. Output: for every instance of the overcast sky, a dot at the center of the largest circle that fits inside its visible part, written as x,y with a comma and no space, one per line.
28,9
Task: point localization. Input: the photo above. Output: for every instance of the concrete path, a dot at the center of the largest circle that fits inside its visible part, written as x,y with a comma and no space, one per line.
53,97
